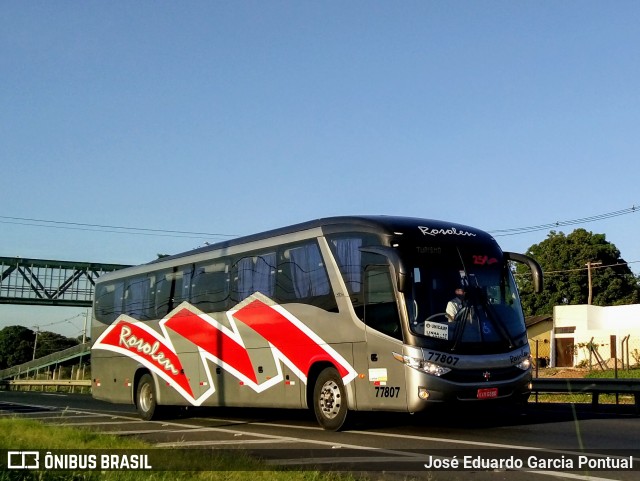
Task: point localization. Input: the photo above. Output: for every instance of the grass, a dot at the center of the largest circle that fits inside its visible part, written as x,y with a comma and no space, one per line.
24,434
581,398
610,374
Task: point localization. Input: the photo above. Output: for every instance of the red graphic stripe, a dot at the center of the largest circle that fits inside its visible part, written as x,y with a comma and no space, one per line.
150,347
288,338
193,328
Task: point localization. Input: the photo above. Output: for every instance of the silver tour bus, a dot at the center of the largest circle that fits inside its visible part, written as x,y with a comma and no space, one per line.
368,313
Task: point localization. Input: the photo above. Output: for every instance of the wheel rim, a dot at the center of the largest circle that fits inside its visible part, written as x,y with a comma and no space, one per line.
330,400
146,397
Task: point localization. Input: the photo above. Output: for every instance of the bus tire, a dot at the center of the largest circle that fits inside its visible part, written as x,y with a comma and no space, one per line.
329,400
146,399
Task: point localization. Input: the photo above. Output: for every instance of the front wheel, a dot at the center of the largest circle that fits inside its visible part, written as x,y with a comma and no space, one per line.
146,401
329,400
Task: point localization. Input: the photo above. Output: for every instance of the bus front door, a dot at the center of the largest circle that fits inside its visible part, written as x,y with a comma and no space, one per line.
386,375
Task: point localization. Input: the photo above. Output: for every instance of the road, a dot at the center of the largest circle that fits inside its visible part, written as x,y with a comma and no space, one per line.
383,444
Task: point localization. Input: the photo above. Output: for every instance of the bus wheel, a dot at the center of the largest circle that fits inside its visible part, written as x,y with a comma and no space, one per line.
329,400
146,403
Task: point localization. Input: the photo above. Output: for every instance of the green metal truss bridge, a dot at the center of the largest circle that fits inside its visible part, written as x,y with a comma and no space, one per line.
49,282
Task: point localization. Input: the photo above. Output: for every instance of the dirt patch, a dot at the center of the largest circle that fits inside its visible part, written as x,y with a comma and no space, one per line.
562,372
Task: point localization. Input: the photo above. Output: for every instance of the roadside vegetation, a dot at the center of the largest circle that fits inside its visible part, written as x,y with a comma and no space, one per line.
24,434
594,373
610,374
573,398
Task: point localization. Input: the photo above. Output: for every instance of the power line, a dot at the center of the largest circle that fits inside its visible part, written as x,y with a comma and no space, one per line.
55,224
62,321
107,228
580,269
593,267
584,220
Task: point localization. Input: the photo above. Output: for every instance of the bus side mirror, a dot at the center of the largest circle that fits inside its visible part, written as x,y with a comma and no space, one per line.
534,267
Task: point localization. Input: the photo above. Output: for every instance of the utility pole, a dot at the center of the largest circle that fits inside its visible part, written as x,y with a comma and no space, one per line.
84,327
35,343
589,266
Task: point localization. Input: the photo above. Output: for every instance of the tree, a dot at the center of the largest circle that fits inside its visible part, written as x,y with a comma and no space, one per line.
564,259
16,345
50,342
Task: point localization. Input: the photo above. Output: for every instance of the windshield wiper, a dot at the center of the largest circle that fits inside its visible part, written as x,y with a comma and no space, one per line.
493,317
462,322
476,305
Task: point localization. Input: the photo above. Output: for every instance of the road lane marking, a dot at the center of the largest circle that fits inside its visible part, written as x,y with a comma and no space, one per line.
557,474
60,416
395,455
185,444
98,423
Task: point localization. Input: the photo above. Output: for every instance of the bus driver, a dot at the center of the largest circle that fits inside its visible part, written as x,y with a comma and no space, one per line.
455,304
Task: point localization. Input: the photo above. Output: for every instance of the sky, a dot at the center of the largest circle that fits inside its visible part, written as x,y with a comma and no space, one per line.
230,118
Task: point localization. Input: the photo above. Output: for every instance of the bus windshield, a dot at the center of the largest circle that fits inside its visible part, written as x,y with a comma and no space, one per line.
463,298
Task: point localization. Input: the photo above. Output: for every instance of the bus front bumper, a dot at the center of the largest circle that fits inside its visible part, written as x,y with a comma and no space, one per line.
424,390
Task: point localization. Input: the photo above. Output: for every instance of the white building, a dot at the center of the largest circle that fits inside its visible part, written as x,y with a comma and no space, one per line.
582,334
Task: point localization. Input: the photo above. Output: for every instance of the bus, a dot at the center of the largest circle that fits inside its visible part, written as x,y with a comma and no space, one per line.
334,315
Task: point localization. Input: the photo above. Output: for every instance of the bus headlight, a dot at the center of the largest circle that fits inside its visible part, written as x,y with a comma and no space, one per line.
422,365
525,364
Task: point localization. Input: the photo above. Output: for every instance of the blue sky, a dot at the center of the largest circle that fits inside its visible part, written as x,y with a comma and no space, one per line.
236,117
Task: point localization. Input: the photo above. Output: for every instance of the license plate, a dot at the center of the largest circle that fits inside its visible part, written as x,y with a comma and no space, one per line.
489,393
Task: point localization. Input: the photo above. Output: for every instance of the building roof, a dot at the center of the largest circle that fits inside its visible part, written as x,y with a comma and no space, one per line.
533,320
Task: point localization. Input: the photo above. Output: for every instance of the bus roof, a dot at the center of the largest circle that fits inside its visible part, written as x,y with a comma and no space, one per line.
409,229
381,224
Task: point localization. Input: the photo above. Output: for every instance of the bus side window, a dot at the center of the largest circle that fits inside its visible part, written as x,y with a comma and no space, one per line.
302,277
108,301
163,286
210,287
380,308
138,297
349,257
253,273
264,274
182,285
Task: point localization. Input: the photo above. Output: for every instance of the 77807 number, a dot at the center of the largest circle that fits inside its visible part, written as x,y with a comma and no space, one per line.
443,358
387,391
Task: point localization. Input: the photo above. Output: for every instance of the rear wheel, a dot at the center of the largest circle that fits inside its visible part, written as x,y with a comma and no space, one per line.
146,400
329,400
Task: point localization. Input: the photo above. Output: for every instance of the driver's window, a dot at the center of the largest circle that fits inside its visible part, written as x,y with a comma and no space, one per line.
380,308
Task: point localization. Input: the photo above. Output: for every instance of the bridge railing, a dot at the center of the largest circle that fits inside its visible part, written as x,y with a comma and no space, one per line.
49,360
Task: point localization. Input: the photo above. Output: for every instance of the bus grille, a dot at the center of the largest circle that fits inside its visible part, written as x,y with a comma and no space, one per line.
480,375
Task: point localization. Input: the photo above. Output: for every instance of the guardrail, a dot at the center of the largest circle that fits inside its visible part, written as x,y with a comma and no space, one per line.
595,387
57,382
